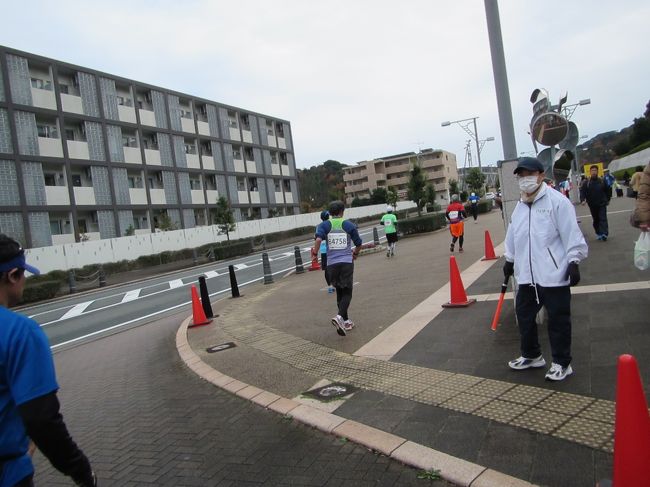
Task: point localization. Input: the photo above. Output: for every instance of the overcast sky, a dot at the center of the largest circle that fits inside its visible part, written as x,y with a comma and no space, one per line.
360,79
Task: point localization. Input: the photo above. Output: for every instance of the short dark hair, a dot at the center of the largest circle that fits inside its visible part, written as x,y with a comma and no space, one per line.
593,167
9,249
336,207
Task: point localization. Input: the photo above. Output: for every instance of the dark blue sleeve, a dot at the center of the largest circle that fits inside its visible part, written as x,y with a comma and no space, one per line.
323,229
351,230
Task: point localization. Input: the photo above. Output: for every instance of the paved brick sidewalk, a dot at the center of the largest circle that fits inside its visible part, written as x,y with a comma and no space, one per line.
145,419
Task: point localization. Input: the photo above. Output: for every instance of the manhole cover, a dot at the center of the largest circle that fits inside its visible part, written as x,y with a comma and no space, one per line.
331,391
219,348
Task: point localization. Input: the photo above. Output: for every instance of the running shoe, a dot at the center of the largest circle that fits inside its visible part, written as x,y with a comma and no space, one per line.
557,372
522,363
451,248
339,323
348,325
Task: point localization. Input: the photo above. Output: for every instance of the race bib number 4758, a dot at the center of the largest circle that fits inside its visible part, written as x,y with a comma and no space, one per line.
337,241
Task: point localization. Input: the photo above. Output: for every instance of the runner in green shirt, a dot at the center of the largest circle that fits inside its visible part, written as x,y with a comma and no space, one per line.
389,221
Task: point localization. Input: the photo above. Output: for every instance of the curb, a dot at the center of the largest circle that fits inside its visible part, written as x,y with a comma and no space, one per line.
455,470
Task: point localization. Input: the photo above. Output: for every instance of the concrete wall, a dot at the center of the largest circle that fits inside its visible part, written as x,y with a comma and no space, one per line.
69,256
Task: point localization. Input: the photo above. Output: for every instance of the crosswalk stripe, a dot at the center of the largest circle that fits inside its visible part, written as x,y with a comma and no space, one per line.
211,274
239,267
131,295
76,310
176,283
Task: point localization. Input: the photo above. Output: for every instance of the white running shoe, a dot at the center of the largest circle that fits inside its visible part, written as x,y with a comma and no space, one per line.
339,323
557,372
348,325
523,363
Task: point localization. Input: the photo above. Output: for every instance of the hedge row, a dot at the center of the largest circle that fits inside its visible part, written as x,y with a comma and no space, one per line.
41,290
484,206
421,224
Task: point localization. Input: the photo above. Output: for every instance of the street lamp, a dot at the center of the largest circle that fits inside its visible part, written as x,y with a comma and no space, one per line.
472,133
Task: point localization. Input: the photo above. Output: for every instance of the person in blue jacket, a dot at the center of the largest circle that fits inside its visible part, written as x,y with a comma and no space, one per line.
29,408
473,200
324,216
339,234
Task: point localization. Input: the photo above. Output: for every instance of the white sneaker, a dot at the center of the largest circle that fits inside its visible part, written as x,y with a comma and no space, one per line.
557,372
348,325
522,363
339,323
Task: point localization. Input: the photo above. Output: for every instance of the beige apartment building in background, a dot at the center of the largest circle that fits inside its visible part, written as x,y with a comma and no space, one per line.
439,166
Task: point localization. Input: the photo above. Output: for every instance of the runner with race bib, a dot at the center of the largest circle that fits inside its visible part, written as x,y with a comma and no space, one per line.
389,221
455,215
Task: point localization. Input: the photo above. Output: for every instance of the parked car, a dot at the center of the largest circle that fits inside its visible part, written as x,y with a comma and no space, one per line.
490,196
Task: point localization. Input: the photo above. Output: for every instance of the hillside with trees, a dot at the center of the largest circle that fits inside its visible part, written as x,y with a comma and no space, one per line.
320,184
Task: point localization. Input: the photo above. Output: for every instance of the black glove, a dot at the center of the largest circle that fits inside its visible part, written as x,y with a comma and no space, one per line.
573,274
508,269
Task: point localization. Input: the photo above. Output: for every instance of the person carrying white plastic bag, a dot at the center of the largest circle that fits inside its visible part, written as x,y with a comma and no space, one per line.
642,251
640,218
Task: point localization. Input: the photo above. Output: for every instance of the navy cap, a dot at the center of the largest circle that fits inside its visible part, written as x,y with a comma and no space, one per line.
529,164
19,262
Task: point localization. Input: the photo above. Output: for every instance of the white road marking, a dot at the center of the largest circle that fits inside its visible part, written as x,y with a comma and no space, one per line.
211,274
176,283
239,267
131,296
76,310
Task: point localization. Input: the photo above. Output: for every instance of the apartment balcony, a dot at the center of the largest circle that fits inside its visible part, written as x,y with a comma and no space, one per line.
435,174
271,141
251,166
288,197
234,134
132,155
152,157
78,149
255,197
48,147
193,161
57,195
204,128
187,125
440,186
357,187
239,165
157,196
197,197
63,238
71,103
127,114
275,170
243,196
279,197
402,168
84,195
397,181
285,170
147,117
43,98
348,177
208,162
247,136
138,196
212,196
282,144
92,236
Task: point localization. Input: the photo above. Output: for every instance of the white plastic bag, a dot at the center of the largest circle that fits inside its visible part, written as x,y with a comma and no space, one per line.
642,251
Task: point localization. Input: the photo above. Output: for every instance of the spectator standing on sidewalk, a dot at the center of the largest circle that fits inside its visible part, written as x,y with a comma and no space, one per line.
473,201
543,248
389,221
641,216
635,181
597,197
455,215
29,407
339,234
324,216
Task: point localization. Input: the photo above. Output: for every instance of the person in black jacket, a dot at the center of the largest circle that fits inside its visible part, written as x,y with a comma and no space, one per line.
597,195
29,408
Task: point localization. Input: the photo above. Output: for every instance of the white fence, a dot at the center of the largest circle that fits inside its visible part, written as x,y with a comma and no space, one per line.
640,158
75,255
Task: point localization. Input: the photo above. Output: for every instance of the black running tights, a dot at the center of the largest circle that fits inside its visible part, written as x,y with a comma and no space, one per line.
343,299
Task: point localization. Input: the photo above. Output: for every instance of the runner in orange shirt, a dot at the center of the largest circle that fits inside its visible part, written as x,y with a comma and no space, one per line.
456,214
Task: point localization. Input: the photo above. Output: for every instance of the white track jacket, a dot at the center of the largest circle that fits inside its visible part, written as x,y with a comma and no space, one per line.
543,238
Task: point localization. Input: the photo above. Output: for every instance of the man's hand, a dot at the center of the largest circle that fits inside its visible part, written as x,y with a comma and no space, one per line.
355,252
314,253
573,274
508,269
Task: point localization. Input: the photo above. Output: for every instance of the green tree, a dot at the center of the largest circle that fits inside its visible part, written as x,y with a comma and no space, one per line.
475,179
392,198
223,217
416,185
378,196
165,223
129,231
453,186
321,184
273,212
360,202
430,196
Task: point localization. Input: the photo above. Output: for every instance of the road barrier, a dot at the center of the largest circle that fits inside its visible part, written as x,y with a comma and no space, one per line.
234,288
299,268
205,297
266,265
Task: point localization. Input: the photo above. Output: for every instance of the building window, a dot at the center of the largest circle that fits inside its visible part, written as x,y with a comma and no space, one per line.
129,141
274,157
69,134
248,152
64,89
283,159
50,179
76,180
241,184
279,129
252,184
47,131
245,122
41,84
287,185
236,153
232,119
195,183
278,187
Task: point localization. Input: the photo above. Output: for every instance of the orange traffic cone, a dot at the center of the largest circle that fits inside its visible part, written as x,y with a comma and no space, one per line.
198,315
632,428
458,295
315,266
489,248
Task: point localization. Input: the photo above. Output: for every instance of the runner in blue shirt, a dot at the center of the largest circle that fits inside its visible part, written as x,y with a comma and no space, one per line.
29,408
473,200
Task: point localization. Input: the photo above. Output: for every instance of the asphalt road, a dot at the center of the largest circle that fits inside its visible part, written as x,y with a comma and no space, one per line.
81,318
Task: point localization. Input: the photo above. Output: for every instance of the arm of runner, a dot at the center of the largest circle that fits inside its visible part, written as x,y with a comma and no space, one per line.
317,242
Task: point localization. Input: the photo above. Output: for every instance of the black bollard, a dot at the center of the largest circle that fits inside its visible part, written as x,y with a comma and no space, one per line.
375,235
71,282
233,282
266,265
102,277
205,297
195,259
299,268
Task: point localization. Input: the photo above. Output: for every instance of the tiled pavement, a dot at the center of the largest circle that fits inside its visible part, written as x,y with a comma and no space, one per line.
144,419
449,388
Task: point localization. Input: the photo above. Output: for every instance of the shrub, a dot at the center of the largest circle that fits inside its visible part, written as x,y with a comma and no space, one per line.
40,291
425,223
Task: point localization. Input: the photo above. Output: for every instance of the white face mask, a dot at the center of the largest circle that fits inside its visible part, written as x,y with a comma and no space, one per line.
528,184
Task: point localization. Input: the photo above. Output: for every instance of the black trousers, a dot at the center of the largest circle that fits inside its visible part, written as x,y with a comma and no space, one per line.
323,265
343,300
474,211
557,301
599,217
461,239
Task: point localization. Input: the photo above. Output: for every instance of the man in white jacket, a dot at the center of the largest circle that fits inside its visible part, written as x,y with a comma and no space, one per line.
544,246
